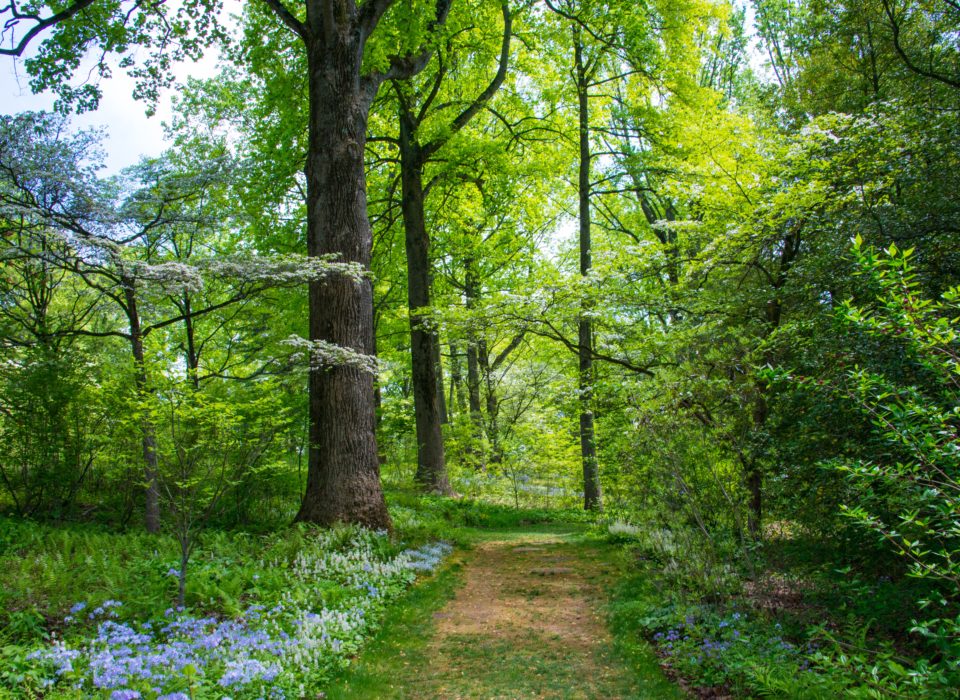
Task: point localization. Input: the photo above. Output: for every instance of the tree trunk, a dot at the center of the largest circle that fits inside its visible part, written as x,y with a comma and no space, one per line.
441,396
424,345
457,396
343,472
473,368
588,447
192,356
147,429
493,407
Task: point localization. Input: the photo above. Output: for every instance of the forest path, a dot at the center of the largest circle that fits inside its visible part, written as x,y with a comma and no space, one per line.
521,615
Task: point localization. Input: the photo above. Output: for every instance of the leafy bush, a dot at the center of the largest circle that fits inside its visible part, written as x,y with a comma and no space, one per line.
907,491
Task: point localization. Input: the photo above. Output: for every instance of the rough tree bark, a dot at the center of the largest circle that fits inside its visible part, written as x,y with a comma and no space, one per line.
588,448
343,471
147,430
424,344
343,481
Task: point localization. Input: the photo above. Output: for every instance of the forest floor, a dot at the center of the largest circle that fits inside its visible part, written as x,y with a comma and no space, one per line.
521,614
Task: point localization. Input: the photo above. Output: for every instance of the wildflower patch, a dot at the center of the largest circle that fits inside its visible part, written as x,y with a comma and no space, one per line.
335,589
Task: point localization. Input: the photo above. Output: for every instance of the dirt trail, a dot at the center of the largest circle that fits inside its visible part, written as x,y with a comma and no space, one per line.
527,623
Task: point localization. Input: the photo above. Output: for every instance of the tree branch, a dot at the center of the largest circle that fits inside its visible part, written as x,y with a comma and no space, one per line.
288,18
474,107
907,61
41,24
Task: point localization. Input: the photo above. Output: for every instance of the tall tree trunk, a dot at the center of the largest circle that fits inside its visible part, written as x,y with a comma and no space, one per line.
472,287
773,311
192,356
588,447
441,397
147,429
343,472
424,345
493,409
457,396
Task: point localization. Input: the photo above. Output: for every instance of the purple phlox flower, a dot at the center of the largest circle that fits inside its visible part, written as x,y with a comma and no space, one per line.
77,607
174,696
173,572
244,671
59,655
124,694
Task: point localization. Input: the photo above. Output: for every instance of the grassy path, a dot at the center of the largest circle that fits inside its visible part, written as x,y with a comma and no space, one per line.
521,615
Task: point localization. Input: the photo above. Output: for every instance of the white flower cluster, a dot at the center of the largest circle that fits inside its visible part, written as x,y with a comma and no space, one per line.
168,276
621,529
323,355
284,270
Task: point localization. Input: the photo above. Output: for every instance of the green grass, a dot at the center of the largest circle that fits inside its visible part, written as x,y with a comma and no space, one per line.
400,646
404,661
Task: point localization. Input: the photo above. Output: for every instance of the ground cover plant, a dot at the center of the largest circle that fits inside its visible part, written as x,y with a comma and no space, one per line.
267,616
789,625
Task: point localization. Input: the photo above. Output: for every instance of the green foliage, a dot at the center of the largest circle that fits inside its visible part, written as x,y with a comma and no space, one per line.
907,496
418,517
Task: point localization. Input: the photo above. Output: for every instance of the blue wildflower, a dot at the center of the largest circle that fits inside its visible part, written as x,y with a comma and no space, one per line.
124,694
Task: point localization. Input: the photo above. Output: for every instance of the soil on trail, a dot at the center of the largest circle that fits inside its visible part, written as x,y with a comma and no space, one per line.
527,622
